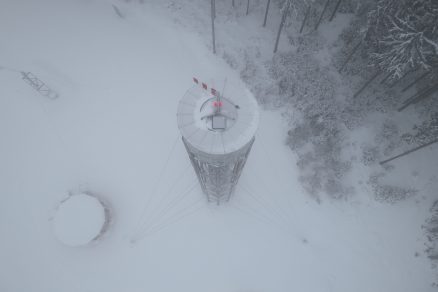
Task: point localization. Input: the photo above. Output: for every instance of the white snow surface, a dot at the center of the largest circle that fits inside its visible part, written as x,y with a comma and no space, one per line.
79,220
112,129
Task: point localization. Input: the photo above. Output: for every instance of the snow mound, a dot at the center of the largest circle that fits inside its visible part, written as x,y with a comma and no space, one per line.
79,220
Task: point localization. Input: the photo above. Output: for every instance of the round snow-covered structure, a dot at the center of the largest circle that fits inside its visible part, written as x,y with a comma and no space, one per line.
218,132
80,219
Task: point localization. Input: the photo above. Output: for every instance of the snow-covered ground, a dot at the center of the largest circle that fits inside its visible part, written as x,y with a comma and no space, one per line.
113,132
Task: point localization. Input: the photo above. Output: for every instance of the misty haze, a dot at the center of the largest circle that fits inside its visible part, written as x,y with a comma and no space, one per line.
218,145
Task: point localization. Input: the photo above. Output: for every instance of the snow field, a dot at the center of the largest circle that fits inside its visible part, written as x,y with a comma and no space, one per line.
112,130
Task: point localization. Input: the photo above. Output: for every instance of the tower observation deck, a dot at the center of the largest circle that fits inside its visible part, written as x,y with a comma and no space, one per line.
218,132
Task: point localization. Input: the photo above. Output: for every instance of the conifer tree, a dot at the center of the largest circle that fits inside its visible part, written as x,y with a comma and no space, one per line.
402,35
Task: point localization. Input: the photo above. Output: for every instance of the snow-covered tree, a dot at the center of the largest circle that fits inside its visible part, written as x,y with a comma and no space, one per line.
403,34
297,9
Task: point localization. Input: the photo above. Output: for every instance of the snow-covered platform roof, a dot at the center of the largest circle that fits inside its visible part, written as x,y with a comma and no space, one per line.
79,220
216,131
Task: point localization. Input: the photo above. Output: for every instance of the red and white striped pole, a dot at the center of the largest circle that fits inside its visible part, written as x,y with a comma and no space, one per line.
217,103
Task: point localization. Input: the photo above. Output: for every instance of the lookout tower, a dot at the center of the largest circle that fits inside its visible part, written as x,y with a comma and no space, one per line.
218,132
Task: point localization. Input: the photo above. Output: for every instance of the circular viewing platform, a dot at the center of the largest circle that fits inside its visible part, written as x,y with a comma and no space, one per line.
216,123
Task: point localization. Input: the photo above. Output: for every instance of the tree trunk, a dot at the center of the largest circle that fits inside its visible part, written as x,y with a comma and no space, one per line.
350,55
117,11
247,7
212,27
408,152
403,76
427,94
415,81
283,19
335,10
419,96
266,13
386,78
322,14
366,84
305,18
